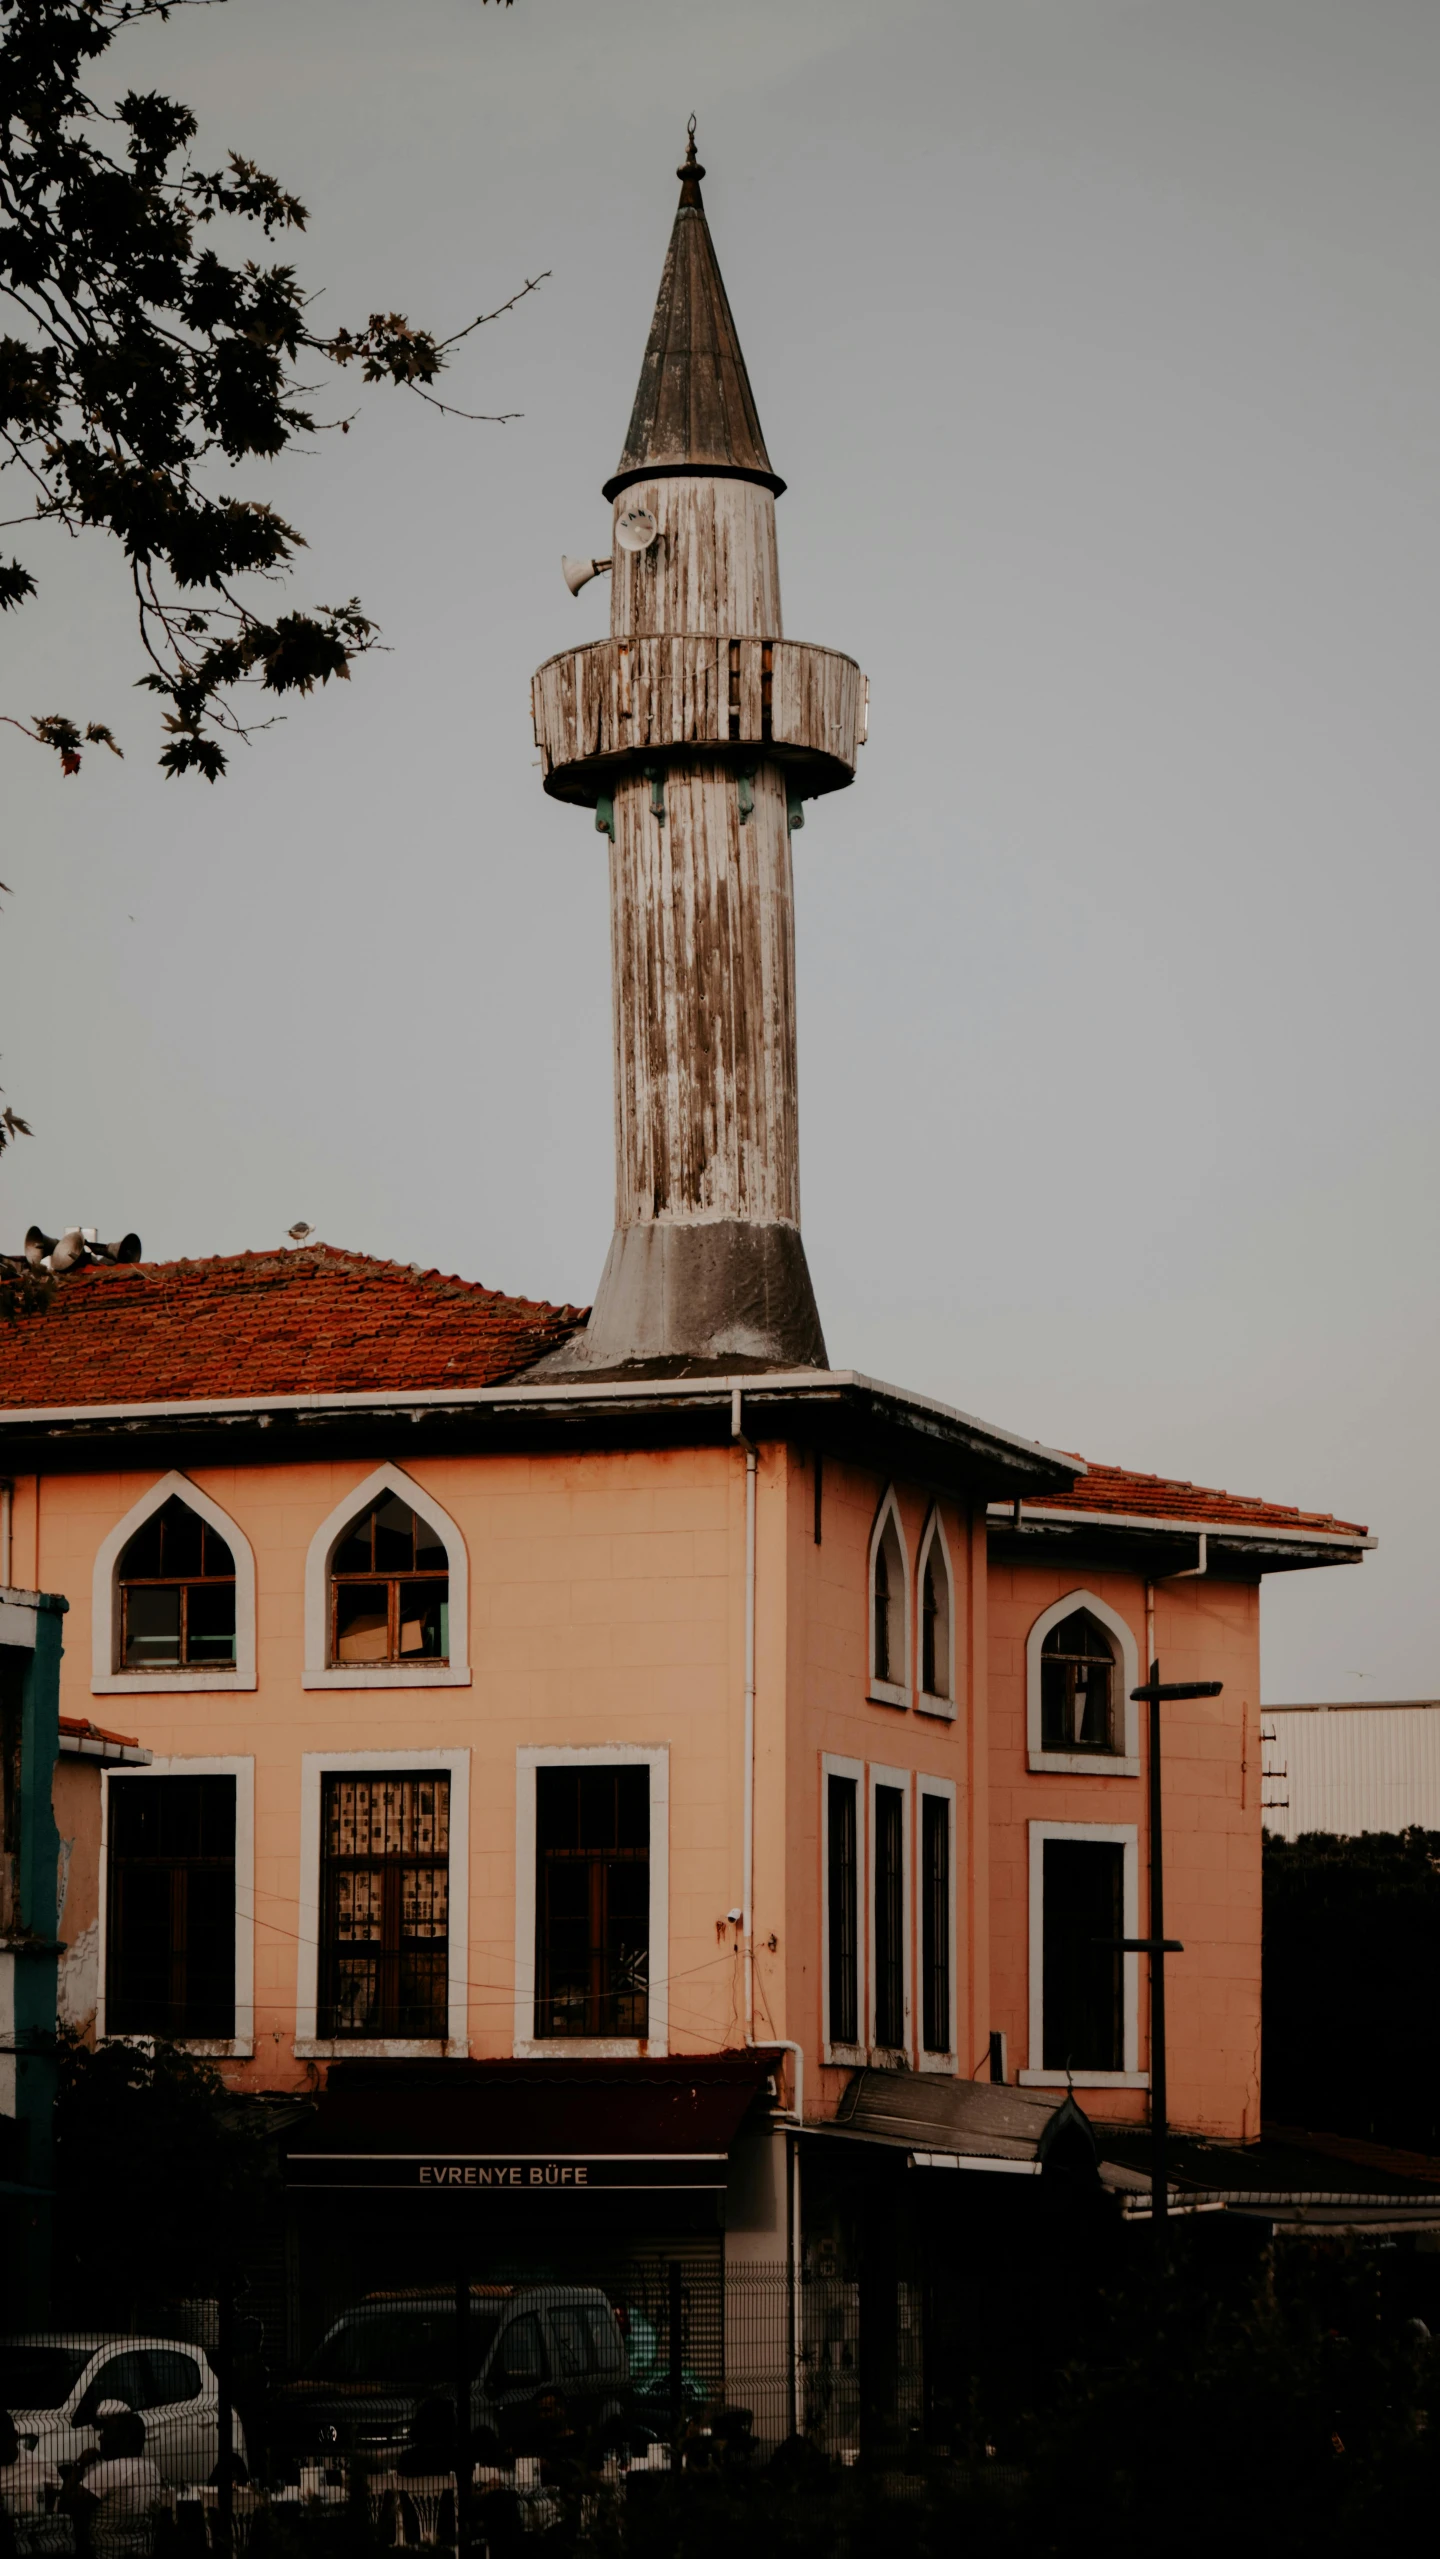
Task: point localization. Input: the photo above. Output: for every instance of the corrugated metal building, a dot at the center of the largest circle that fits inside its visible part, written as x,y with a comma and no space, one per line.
1348,1768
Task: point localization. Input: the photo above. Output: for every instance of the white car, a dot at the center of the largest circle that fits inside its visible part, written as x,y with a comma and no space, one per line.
55,2385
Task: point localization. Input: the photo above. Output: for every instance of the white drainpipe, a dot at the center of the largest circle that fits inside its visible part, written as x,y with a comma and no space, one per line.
7,1522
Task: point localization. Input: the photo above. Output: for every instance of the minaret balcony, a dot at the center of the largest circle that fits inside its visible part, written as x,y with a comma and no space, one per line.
597,708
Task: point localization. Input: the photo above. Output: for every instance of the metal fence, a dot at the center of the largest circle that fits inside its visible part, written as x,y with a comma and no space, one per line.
203,2426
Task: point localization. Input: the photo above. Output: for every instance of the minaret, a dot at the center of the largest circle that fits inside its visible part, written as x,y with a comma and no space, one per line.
696,733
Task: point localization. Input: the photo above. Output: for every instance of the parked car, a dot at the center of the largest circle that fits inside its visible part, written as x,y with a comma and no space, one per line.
55,2386
543,2359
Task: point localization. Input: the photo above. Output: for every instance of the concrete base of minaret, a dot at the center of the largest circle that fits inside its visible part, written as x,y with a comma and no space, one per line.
708,1292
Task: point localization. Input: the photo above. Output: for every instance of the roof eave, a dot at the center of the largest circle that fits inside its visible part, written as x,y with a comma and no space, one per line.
1262,1544
832,1407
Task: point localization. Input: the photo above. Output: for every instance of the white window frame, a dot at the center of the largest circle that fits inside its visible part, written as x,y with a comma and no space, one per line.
934,1536
454,2046
528,2046
1127,1836
320,1671
888,1692
241,2045
944,2064
1089,1763
106,1679
902,1780
853,2056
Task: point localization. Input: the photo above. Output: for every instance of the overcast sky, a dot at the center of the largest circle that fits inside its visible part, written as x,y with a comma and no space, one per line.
1096,340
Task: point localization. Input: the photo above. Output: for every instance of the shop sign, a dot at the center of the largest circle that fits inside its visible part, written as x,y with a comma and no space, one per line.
528,2174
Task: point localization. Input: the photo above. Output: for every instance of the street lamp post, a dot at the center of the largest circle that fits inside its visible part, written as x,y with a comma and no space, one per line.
1155,1694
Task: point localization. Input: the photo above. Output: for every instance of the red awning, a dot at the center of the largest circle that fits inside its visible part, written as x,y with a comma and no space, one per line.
528,2127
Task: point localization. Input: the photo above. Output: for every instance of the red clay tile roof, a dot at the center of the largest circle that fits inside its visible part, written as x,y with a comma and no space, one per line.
80,1729
314,1321
1114,1488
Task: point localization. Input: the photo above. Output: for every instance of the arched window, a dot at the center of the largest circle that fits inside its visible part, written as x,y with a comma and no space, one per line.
889,1612
937,1620
1077,1686
389,1589
176,1583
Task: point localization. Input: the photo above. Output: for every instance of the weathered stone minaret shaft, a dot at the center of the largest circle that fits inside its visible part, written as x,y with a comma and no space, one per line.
696,732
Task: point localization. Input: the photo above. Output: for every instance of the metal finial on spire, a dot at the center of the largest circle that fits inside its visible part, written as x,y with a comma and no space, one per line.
690,171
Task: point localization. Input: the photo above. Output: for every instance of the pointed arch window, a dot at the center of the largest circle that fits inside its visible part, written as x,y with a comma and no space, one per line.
176,1588
1081,1666
389,1589
936,1596
1077,1686
889,1609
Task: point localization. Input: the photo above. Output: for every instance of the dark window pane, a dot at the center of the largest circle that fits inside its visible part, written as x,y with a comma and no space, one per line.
557,1807
140,1556
140,1928
394,1536
208,1978
882,1611
218,1560
632,1808
362,1622
1077,1686
929,1657
843,1910
597,1826
152,1627
423,1621
1083,1908
889,1916
1054,1694
522,2353
182,1540
354,1553
210,1623
592,1919
171,1930
173,2377
935,1920
430,1555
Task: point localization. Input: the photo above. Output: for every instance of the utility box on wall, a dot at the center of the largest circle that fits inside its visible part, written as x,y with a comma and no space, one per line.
30,1650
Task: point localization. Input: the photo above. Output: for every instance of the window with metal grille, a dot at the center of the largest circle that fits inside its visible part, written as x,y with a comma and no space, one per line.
385,1906
592,1920
1083,1914
842,1885
389,1589
935,1922
889,1917
170,1907
177,1594
1077,1685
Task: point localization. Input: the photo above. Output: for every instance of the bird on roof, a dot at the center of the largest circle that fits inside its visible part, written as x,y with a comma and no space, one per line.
298,1232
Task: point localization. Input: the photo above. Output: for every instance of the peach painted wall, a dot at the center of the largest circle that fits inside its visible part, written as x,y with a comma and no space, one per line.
833,1713
1206,1629
607,1606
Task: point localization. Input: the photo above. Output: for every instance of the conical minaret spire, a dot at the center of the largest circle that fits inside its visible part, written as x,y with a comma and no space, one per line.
696,732
694,408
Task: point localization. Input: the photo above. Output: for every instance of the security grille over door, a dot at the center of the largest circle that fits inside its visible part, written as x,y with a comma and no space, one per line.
385,1943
